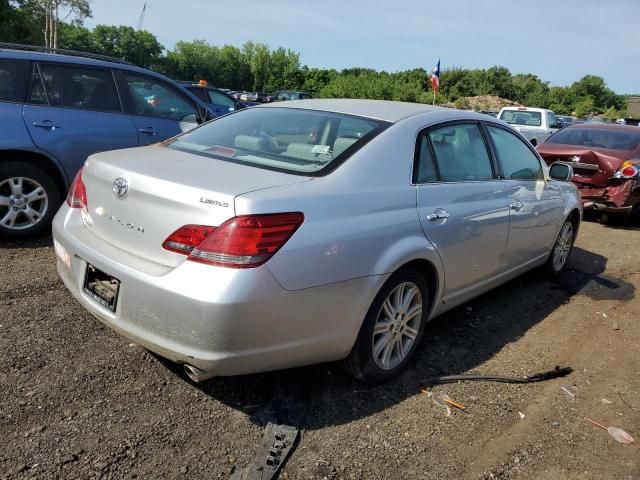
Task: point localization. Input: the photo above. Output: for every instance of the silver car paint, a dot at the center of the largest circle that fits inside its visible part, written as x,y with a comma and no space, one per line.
306,305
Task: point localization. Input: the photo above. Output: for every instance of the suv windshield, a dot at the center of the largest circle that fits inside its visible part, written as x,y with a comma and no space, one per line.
592,137
284,139
521,117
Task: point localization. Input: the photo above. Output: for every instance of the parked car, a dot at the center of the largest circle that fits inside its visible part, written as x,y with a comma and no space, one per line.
58,108
606,162
218,101
289,95
565,120
251,244
536,124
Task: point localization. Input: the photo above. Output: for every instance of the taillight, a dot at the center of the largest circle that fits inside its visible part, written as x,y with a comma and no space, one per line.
627,170
77,196
186,238
245,241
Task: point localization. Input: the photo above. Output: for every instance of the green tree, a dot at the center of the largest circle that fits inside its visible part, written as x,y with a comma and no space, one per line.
136,46
584,108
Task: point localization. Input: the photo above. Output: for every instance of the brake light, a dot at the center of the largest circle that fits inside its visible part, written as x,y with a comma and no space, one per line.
245,241
77,196
627,170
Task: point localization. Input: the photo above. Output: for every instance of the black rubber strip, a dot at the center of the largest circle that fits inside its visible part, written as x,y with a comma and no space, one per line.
557,372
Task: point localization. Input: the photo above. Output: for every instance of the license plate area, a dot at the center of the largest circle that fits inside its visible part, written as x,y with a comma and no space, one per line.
101,287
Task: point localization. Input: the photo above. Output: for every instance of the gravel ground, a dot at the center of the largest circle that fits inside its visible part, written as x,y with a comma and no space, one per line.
79,401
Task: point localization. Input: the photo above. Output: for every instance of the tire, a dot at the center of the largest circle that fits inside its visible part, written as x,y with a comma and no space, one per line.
29,198
562,248
399,338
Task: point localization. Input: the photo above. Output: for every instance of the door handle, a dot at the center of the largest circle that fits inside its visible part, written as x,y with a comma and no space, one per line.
517,205
438,215
45,124
148,131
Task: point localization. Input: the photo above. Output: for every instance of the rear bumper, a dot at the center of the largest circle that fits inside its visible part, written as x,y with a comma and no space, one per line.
222,321
619,197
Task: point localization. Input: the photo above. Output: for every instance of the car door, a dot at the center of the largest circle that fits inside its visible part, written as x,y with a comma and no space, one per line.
73,111
14,77
535,204
462,205
158,109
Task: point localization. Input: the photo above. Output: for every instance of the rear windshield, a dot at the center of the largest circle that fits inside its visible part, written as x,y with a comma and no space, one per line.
592,137
290,140
519,117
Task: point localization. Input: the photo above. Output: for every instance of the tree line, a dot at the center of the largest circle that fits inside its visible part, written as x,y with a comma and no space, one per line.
257,67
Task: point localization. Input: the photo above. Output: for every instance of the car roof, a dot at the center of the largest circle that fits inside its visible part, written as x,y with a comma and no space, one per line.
378,109
71,59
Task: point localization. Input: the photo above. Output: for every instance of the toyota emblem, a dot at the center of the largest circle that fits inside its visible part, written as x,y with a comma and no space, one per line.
120,187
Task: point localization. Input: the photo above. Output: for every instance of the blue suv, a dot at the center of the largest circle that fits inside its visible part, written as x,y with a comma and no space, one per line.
58,107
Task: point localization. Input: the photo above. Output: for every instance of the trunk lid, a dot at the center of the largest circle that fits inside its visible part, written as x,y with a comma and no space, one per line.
166,190
594,167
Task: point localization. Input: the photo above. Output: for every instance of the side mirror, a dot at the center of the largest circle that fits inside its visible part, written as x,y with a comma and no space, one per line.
561,172
239,106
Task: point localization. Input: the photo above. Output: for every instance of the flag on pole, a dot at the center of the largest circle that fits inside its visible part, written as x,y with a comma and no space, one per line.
435,78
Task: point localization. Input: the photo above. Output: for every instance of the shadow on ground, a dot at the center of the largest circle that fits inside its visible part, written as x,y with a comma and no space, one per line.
319,396
38,242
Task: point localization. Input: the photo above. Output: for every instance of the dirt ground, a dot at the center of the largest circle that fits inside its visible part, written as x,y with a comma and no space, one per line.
79,401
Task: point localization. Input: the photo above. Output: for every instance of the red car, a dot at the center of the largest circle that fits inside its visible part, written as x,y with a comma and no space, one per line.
606,164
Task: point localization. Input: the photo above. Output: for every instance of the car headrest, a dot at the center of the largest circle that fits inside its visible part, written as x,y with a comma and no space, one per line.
248,142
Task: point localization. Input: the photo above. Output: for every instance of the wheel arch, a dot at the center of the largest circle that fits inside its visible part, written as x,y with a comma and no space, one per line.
41,160
431,275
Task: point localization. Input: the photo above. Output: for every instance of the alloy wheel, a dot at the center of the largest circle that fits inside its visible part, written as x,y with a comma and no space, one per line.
563,246
397,325
23,203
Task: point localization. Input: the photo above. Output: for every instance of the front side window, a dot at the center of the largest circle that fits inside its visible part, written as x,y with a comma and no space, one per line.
220,99
290,140
74,87
517,160
13,80
522,117
551,120
153,98
460,154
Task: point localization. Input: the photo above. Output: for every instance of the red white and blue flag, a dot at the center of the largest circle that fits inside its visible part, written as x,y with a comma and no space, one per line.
435,78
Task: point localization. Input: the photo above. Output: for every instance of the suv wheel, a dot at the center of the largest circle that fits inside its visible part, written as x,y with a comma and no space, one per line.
28,200
392,329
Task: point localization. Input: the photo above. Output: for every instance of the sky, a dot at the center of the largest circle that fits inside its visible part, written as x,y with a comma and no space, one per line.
558,40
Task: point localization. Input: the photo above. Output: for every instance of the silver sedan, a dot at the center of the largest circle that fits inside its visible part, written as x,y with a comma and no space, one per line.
311,231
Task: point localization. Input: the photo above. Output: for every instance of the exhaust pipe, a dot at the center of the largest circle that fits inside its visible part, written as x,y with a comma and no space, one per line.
197,375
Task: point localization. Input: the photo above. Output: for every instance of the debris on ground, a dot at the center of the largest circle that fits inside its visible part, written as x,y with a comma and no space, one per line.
276,446
568,393
616,433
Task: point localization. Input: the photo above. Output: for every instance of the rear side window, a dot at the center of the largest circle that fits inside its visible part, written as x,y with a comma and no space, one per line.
13,80
522,117
518,162
74,87
460,154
